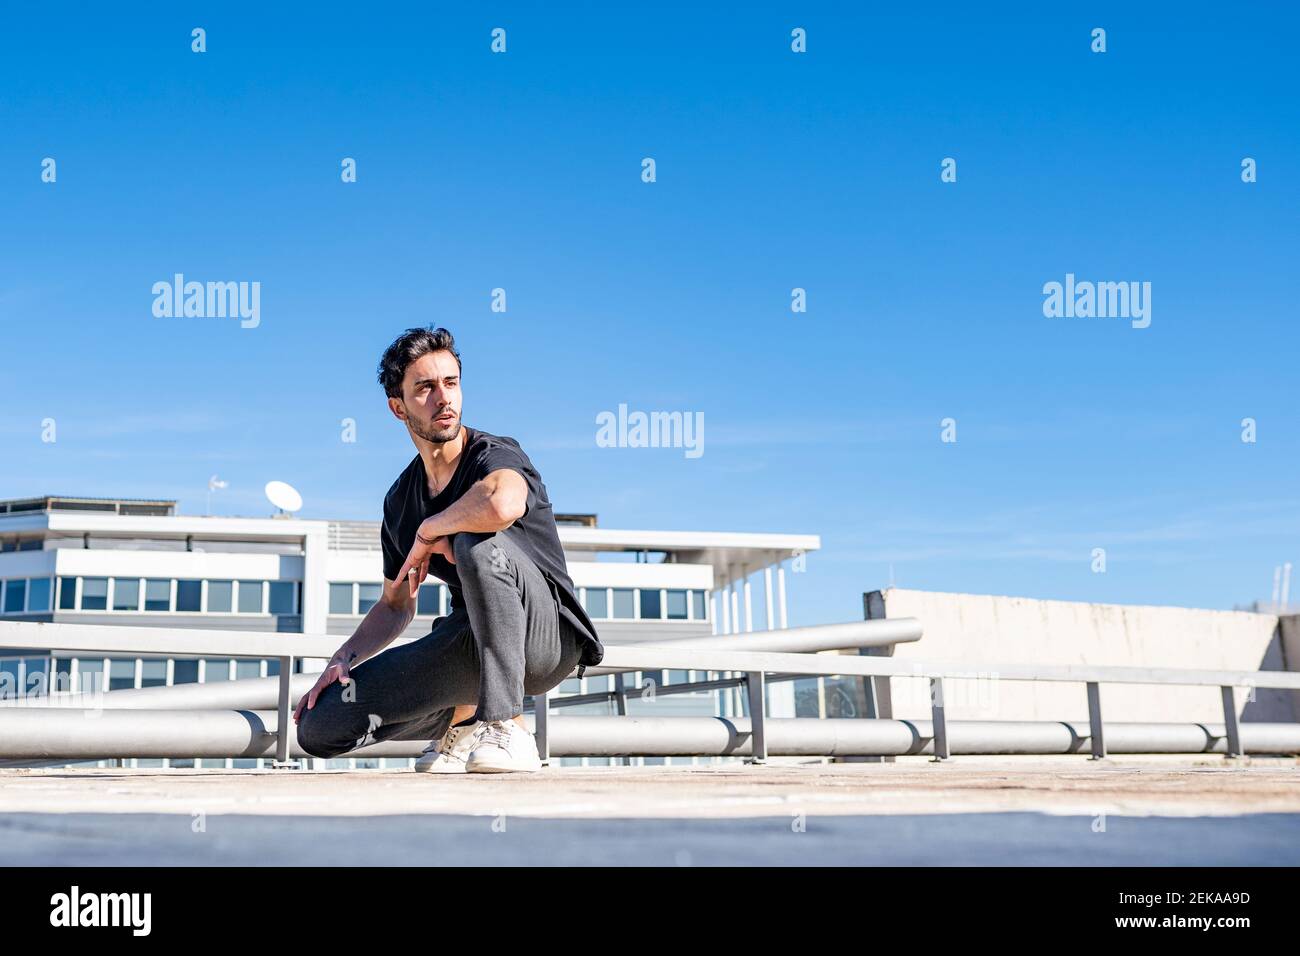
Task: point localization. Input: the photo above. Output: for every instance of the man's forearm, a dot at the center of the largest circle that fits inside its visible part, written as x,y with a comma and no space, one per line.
485,507
381,625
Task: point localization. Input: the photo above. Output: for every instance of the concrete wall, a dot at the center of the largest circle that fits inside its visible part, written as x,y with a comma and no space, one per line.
984,630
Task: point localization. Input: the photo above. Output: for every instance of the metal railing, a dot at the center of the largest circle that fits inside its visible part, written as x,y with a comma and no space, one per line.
758,668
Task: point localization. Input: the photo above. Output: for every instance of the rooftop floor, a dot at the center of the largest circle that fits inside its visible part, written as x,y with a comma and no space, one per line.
1025,811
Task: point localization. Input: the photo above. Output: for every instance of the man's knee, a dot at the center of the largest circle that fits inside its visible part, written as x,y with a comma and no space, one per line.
475,551
316,738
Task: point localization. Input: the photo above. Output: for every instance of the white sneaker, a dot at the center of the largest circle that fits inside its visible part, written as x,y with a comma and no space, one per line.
504,747
449,754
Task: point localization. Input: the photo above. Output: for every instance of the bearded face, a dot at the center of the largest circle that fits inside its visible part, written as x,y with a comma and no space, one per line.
431,397
443,426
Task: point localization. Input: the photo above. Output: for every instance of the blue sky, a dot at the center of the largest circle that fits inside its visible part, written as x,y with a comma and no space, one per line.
775,170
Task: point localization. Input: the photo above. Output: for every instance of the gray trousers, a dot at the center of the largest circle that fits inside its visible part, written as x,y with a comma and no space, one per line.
507,641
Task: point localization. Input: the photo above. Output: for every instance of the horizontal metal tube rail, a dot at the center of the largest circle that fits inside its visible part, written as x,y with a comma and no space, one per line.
38,734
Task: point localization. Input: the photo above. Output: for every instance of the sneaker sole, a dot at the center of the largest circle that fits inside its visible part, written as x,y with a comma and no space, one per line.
500,768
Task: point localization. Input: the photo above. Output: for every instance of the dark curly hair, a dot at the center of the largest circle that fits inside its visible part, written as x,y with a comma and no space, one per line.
408,347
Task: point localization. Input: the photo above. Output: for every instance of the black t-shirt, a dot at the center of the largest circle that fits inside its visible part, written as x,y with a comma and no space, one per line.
408,503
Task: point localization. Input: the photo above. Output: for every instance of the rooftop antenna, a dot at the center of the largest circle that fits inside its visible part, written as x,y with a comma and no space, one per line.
1277,587
214,484
284,496
1286,587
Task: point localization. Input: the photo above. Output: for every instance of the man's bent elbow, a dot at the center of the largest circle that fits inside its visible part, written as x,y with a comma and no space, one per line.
507,509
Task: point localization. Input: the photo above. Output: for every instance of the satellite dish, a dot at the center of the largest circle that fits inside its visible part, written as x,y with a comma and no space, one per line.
284,496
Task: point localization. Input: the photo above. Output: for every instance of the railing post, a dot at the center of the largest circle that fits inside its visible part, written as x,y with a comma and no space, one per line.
285,727
1094,721
620,708
756,685
1230,721
620,694
876,690
938,721
541,717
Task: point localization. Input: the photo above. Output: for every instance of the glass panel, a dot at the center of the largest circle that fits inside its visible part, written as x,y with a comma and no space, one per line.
282,594
67,594
676,605
38,594
623,603
250,597
62,675
189,595
94,594
158,594
219,596
430,599
650,609
9,689
153,673
598,602
90,675
121,674
245,669
367,596
698,598
215,669
273,668
15,595
845,697
126,594
185,671
340,598
35,679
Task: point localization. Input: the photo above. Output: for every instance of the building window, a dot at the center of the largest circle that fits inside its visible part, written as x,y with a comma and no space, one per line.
650,604
90,675
245,669
153,673
220,594
158,594
67,594
281,598
341,599
15,595
215,669
126,594
189,596
38,594
698,598
250,597
185,671
623,603
121,674
94,594
10,688
430,600
676,605
597,602
367,596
